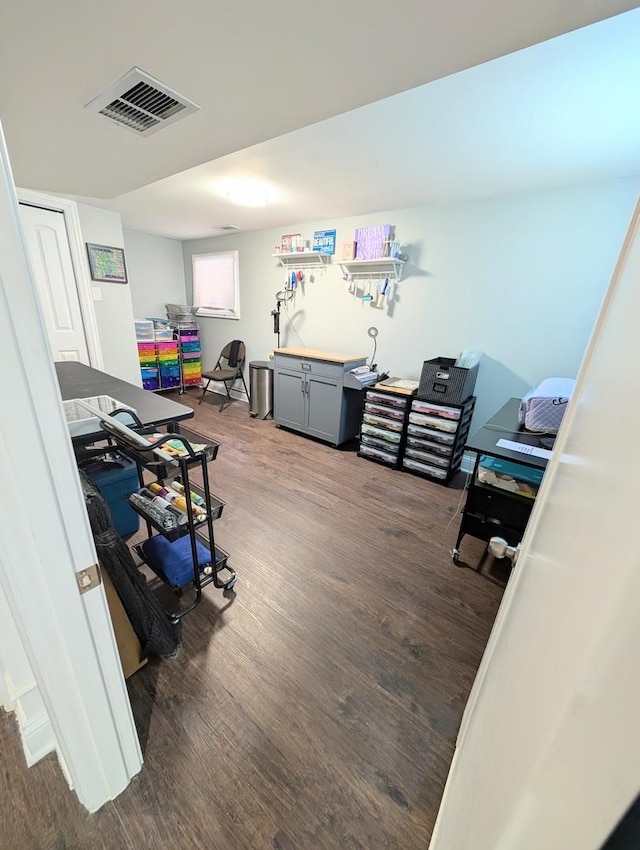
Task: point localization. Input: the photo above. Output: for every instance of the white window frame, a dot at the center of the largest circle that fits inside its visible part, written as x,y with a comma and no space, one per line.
212,312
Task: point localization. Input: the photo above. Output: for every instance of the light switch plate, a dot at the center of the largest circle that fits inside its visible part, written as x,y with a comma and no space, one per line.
97,293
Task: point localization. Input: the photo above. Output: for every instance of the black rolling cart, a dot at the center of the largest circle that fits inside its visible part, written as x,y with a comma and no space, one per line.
489,510
179,514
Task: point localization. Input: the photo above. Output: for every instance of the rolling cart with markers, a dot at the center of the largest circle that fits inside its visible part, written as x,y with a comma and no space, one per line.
179,514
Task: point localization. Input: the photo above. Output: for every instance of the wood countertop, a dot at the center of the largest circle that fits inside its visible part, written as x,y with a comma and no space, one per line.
317,354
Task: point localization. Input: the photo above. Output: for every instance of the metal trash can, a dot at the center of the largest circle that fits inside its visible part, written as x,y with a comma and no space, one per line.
261,388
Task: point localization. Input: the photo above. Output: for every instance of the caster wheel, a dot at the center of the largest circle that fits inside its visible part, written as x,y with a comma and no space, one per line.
455,556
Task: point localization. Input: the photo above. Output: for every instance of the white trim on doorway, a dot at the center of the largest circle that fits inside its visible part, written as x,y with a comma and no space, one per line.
67,637
69,209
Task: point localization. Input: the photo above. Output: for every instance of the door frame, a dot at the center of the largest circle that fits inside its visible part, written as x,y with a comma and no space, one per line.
593,681
511,590
67,635
84,286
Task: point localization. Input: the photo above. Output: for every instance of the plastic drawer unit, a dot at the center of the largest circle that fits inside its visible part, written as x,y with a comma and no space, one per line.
383,429
436,436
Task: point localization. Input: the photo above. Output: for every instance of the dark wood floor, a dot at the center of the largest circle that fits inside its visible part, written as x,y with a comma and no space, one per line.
319,708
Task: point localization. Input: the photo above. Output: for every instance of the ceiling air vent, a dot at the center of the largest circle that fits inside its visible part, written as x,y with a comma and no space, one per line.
224,229
141,103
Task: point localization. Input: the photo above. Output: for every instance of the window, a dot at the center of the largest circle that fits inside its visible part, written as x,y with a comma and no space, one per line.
216,284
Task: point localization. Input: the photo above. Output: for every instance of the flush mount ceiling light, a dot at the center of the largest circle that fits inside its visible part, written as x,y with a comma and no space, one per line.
247,193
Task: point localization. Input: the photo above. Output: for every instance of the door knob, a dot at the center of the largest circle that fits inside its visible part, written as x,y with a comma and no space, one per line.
499,548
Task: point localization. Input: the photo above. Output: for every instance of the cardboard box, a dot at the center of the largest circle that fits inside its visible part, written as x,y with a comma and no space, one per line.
129,647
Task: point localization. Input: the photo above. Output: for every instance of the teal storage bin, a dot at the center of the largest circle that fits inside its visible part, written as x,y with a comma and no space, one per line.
116,477
514,470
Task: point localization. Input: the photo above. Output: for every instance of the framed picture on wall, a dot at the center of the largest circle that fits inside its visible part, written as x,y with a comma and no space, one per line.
290,242
106,263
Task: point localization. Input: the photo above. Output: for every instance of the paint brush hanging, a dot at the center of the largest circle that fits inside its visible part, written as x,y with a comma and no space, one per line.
383,289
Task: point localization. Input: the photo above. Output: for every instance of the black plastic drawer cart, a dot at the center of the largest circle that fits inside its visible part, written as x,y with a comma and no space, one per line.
422,437
383,427
436,436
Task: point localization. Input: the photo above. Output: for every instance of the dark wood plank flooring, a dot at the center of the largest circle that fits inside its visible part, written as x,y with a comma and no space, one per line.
317,709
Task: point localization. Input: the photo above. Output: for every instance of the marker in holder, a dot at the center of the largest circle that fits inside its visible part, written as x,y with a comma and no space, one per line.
167,520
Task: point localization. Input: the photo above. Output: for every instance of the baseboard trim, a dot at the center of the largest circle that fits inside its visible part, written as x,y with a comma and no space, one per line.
38,739
240,397
36,733
16,691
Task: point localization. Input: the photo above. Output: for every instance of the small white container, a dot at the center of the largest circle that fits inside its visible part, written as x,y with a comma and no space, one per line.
144,330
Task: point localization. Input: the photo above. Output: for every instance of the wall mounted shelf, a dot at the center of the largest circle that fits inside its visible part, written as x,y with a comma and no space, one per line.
303,260
373,269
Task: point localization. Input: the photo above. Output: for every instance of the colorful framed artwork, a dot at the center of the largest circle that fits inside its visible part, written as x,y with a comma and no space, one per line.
324,241
290,242
106,263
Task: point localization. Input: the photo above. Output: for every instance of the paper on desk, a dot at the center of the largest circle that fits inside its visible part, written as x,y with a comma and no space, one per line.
404,384
524,448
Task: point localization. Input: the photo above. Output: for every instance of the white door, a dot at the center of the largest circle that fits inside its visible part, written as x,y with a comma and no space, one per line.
48,247
548,753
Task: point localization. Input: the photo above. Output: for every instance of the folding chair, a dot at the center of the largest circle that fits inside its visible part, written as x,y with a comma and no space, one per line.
233,354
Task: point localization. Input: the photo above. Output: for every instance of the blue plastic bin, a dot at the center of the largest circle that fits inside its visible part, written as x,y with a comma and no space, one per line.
116,479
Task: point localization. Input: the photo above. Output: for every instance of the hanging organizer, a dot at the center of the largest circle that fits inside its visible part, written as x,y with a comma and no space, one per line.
378,269
293,260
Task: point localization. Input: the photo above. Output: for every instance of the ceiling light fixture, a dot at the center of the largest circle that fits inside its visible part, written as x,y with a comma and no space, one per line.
248,193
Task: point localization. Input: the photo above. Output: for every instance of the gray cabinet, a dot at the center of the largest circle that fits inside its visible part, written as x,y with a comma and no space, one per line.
289,398
324,403
310,396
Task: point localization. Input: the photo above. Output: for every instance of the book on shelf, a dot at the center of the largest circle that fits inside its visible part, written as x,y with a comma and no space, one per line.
370,241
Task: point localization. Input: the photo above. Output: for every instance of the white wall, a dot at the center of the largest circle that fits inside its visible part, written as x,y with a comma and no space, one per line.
548,752
156,273
520,278
114,313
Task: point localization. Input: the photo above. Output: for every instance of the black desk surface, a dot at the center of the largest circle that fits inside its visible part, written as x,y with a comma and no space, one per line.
504,426
79,381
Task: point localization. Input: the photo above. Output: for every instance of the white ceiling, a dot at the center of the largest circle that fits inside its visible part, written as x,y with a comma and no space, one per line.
560,112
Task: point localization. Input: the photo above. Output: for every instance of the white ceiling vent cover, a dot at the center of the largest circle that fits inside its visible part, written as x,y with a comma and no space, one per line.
224,229
141,103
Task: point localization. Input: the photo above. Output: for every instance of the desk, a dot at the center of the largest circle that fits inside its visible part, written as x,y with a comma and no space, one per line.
491,511
79,381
